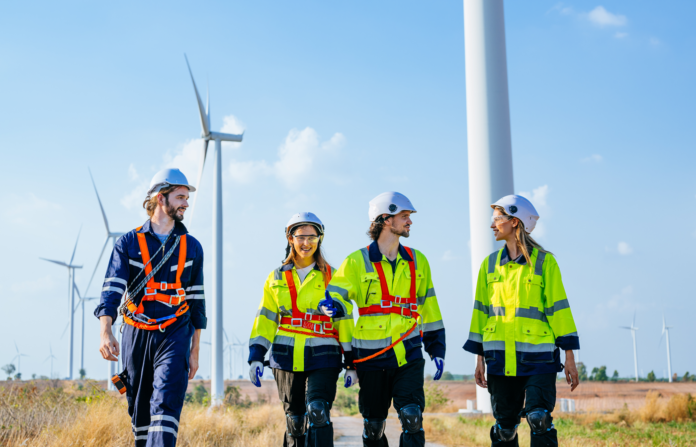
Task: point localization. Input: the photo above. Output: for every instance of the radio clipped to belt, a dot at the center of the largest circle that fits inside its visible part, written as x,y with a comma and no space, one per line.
133,312
320,325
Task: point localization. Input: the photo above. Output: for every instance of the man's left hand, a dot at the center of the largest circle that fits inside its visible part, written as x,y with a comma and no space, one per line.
193,364
571,371
440,365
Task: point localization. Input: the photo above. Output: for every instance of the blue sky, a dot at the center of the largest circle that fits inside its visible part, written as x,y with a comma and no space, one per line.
339,102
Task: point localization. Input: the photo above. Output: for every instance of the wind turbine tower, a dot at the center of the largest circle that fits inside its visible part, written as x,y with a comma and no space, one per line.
50,357
19,360
665,332
71,300
633,330
81,302
216,375
488,129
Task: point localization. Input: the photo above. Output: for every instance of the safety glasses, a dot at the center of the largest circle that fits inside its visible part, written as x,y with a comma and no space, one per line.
305,239
500,219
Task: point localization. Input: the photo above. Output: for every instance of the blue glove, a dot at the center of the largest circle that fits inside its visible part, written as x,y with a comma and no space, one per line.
255,373
440,365
326,306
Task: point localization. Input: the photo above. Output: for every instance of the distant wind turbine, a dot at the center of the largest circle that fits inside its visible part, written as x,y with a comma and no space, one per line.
216,374
110,235
633,330
665,333
71,299
19,359
82,303
50,357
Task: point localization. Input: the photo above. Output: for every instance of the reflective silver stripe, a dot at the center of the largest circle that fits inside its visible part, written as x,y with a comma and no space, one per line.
411,335
346,346
283,340
496,345
195,296
366,257
495,311
320,341
141,438
118,280
268,314
194,288
162,417
478,338
430,293
143,428
558,305
478,305
136,263
529,347
347,317
113,289
164,429
538,266
277,274
371,344
532,313
186,264
340,290
492,259
260,341
434,326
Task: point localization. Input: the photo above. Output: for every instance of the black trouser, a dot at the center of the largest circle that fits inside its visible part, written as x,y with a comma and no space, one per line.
514,397
378,388
296,390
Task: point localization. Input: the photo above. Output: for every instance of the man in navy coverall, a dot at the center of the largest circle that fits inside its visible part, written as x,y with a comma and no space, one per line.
158,363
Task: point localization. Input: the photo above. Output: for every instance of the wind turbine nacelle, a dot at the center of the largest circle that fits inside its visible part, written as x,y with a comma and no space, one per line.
226,137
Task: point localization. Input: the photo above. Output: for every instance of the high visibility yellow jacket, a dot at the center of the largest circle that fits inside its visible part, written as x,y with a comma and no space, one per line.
356,280
521,315
292,351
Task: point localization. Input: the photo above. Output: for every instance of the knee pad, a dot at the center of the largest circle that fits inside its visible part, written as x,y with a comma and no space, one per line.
505,434
411,419
374,429
540,421
296,425
318,413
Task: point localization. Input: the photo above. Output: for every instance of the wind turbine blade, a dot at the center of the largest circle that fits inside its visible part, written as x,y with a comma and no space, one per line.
224,332
65,330
204,117
660,342
198,183
97,265
55,262
16,348
76,241
106,222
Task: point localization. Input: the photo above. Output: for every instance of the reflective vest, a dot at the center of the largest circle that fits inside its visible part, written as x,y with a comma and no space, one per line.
170,294
521,316
392,304
289,324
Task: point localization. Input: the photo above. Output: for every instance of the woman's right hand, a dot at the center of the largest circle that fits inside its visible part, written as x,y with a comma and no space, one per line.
480,374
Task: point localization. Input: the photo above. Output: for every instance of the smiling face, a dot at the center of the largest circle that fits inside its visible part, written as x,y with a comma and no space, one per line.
400,224
305,241
175,203
503,226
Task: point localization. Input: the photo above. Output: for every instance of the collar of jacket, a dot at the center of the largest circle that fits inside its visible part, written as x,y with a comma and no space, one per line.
505,258
376,255
290,266
179,229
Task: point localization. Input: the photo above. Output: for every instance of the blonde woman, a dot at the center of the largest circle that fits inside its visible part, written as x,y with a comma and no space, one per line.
303,330
521,322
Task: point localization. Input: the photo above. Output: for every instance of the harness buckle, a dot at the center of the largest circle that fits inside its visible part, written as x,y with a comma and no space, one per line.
397,299
163,286
407,315
181,292
308,316
414,307
318,328
149,291
382,305
298,320
328,326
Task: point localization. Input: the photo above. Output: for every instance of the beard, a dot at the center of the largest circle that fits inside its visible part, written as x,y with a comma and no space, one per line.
173,212
405,232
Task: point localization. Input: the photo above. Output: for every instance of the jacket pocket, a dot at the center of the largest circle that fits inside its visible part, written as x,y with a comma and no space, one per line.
537,357
278,349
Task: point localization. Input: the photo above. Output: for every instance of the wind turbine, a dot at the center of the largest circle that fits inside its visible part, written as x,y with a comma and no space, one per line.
633,330
216,374
665,332
71,298
82,303
50,357
110,235
19,359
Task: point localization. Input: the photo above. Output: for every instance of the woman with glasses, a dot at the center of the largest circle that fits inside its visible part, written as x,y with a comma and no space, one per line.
306,333
521,322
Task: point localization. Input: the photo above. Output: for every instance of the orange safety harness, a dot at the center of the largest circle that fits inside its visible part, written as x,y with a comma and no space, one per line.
153,292
320,325
386,304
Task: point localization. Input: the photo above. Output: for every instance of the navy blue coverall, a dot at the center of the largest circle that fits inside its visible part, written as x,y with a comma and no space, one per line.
156,363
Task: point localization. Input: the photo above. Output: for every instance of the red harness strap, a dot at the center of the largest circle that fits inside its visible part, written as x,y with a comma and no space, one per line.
320,325
388,300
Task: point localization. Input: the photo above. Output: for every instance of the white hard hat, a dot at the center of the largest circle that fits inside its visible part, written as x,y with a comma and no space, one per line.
521,208
166,178
305,218
389,203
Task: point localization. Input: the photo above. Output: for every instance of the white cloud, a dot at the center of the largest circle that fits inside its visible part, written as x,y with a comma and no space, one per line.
620,35
537,196
562,9
624,248
231,124
248,171
450,256
601,17
133,173
655,42
594,158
